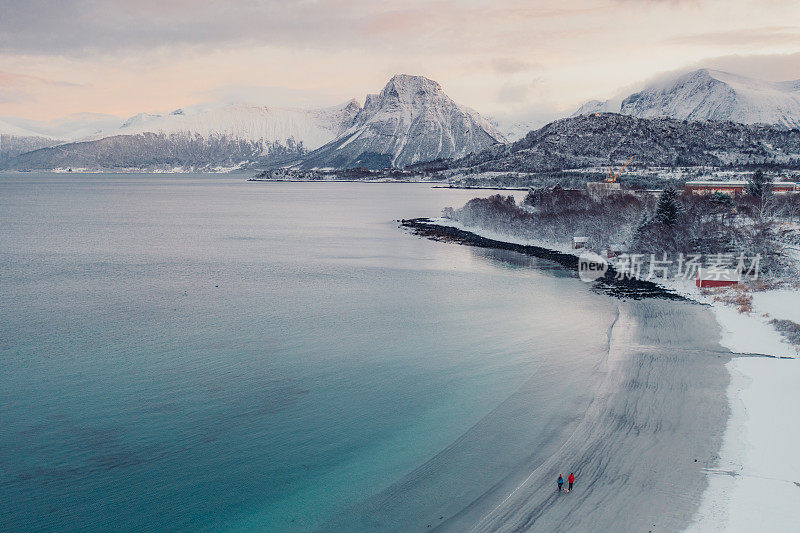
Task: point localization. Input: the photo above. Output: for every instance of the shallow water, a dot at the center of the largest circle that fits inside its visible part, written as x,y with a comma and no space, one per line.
183,352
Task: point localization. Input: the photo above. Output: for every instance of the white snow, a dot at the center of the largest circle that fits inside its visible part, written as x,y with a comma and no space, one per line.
713,95
781,304
752,333
756,484
17,131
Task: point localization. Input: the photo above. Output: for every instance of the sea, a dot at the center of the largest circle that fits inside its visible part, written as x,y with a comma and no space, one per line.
202,352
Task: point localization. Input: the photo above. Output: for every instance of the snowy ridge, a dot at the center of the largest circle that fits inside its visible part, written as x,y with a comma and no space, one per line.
310,128
591,107
11,130
74,127
707,94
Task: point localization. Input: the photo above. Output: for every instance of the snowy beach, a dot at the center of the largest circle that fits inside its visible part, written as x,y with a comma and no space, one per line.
756,486
752,482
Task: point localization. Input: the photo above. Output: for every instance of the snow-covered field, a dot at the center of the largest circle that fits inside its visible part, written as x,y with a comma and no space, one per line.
756,484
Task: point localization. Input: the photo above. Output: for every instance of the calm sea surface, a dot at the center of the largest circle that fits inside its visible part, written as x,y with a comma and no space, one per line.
184,352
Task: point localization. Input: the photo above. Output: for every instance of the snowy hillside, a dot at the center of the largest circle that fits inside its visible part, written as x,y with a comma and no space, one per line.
149,152
409,121
596,140
711,95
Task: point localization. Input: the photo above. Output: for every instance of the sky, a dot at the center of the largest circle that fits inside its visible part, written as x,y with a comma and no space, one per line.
510,59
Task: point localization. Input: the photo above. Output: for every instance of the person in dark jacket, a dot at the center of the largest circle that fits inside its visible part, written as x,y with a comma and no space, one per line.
560,482
571,480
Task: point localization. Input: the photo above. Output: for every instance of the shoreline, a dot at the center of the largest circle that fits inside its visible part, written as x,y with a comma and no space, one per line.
608,283
377,180
635,388
664,384
731,485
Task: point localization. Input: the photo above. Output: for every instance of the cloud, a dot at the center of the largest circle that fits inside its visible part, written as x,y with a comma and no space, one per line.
15,88
512,65
84,27
742,37
143,55
774,67
518,92
9,79
271,96
78,27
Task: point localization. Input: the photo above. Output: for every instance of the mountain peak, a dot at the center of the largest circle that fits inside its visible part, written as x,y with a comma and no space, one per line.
707,75
410,84
352,105
410,121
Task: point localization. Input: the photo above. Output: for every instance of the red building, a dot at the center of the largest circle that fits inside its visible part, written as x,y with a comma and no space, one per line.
736,187
717,277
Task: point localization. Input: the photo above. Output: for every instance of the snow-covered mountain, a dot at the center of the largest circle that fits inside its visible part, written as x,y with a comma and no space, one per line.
411,120
602,139
205,137
707,94
15,140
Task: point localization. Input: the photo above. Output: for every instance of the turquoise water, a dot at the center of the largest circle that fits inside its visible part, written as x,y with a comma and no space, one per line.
184,352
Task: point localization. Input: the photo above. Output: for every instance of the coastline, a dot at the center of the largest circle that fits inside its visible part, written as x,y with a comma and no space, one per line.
440,229
754,468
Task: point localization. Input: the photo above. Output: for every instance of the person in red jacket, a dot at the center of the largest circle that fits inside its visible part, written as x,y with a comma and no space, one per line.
571,480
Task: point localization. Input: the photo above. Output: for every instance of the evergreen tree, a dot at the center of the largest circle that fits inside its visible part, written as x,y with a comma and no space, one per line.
758,184
531,198
668,207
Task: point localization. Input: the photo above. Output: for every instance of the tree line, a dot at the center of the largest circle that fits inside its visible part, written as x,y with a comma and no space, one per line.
673,222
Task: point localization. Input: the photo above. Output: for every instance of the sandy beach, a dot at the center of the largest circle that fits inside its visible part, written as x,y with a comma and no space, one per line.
752,480
655,423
